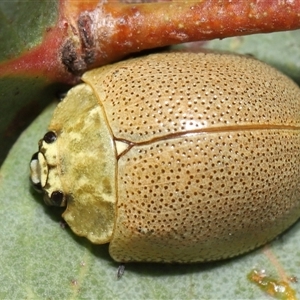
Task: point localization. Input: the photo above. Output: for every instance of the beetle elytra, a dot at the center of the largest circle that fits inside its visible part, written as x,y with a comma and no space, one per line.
175,157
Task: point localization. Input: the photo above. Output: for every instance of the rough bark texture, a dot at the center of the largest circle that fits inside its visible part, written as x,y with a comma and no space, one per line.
111,30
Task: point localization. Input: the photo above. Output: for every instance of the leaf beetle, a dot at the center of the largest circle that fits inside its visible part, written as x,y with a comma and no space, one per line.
175,157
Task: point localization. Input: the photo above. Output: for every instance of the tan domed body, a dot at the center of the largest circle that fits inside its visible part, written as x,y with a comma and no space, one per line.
176,157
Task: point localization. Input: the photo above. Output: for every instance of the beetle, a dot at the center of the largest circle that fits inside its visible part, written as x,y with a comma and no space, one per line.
175,157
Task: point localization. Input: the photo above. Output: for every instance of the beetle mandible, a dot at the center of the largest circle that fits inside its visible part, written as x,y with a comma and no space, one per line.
175,157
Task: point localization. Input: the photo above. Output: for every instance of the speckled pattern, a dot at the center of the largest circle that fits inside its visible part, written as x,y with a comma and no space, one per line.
206,197
165,94
213,169
179,157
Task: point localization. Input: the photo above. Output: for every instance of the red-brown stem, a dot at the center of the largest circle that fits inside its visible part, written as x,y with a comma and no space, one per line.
130,28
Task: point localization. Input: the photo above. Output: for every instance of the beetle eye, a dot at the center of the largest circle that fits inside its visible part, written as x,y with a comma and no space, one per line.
57,198
49,137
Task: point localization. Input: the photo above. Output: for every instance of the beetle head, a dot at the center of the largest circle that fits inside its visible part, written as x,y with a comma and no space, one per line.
44,171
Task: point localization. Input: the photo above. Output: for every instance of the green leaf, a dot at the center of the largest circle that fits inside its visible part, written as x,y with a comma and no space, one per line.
42,260
23,24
